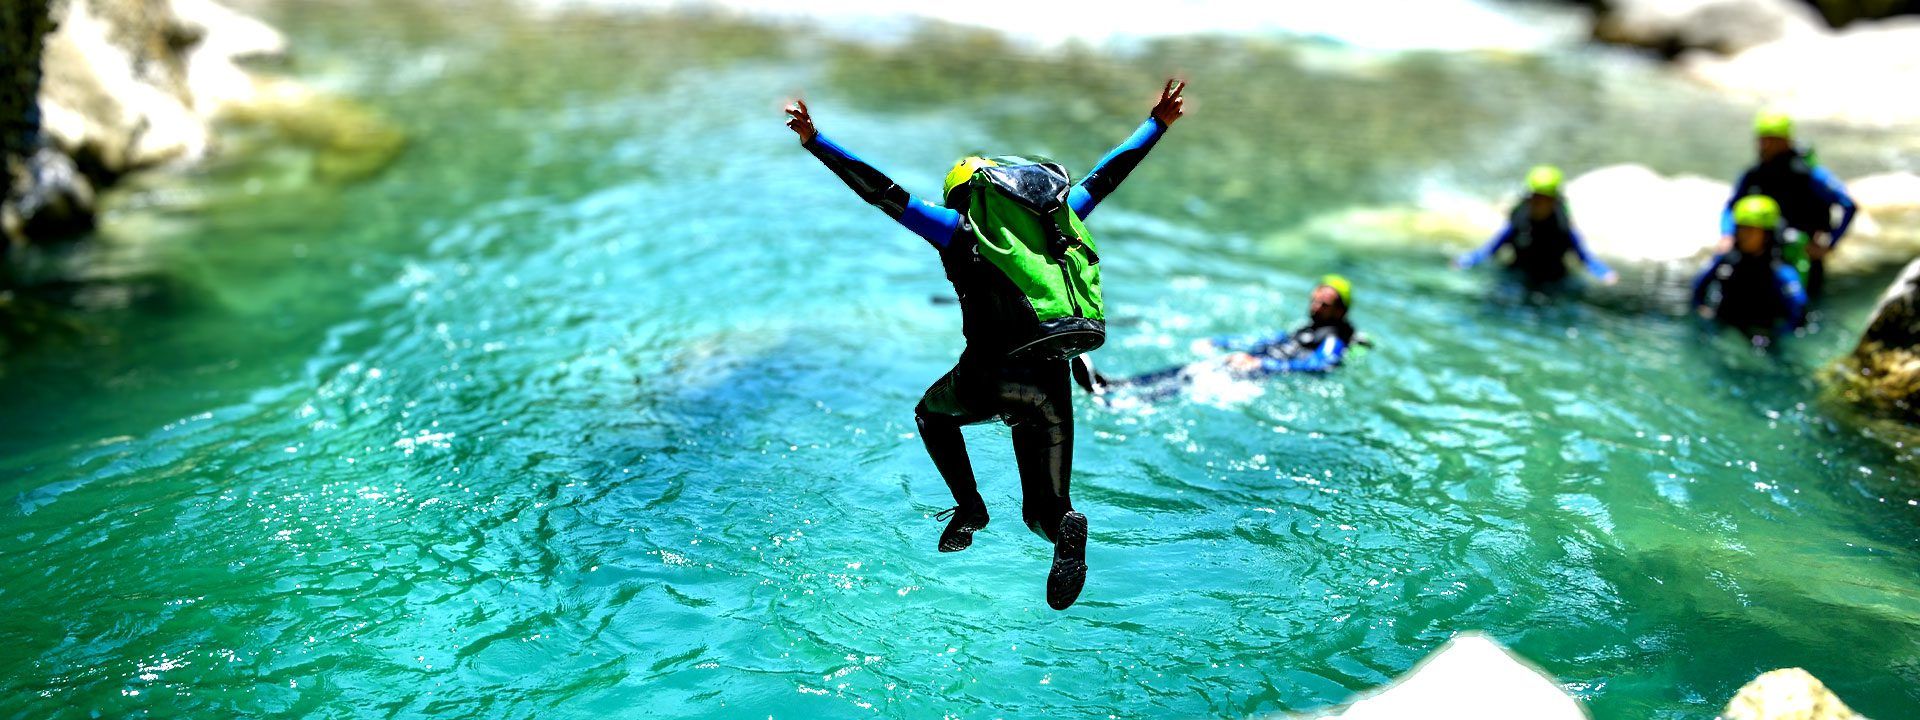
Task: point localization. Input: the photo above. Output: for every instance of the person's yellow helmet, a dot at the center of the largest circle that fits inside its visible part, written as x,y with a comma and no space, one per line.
963,171
1341,287
1757,211
1545,180
1773,124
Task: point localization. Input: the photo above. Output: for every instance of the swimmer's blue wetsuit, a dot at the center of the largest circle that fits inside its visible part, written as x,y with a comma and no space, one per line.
1316,347
1539,246
1032,396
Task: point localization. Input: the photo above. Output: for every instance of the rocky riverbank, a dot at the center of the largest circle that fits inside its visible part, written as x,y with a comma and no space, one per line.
104,88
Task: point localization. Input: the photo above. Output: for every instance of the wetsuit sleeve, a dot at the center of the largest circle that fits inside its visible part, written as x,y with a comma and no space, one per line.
1793,293
1485,253
934,223
1107,174
1599,269
1830,190
1324,358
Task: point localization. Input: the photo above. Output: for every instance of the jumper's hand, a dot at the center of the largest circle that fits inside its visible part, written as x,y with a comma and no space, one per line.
1726,243
1610,279
1243,362
800,121
1817,246
1171,105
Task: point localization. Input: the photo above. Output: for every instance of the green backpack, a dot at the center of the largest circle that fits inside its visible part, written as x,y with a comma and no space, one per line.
1023,227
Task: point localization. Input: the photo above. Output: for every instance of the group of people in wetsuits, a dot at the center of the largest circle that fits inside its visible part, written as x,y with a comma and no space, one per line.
1780,215
1776,231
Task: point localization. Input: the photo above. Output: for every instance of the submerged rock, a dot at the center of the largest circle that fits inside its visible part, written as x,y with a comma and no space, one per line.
349,141
1787,694
1883,371
1469,677
1673,26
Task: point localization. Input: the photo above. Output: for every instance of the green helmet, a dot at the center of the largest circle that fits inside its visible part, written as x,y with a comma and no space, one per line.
1341,286
1545,180
1773,124
963,171
1757,211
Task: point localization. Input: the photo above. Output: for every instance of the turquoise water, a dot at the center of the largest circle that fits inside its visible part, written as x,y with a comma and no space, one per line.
597,404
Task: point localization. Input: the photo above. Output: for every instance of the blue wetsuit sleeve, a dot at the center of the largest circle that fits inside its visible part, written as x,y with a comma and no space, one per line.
1107,174
934,223
1599,269
1793,293
1324,358
1833,192
1484,253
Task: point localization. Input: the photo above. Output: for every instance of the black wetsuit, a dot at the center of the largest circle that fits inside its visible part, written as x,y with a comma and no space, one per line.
1540,246
1807,194
1031,395
1758,294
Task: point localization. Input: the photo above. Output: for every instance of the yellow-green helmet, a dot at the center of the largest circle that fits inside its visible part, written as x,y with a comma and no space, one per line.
1757,211
963,171
1340,286
1545,180
1773,124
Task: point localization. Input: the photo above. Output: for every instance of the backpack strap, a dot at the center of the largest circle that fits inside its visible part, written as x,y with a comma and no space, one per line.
1040,188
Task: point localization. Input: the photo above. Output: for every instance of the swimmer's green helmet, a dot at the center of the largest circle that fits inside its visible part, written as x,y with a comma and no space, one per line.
963,171
1757,211
1773,124
1341,286
1545,180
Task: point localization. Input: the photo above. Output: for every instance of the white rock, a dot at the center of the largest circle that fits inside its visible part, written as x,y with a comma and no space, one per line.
101,101
215,81
1630,212
1862,76
1888,195
1787,694
1469,677
101,105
